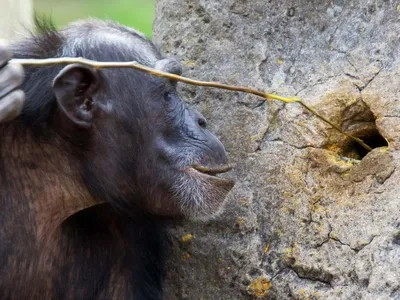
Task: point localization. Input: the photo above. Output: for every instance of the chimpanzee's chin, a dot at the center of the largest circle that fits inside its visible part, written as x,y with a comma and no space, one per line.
201,197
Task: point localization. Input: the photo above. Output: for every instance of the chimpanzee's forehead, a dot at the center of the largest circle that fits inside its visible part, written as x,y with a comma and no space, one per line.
105,40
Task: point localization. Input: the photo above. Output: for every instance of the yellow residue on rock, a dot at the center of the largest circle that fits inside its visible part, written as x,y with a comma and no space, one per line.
303,295
259,287
187,238
244,202
189,63
186,256
292,253
240,221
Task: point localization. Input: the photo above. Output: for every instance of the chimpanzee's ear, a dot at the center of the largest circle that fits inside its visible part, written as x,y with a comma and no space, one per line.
74,88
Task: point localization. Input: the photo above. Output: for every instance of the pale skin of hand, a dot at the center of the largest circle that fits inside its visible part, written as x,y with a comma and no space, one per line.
11,75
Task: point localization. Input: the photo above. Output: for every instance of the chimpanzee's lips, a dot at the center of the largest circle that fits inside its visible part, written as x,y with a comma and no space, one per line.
212,172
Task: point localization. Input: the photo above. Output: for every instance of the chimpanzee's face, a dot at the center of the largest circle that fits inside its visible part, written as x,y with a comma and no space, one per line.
145,148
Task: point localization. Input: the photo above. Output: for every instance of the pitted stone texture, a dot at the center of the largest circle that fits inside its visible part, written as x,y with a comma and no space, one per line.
303,221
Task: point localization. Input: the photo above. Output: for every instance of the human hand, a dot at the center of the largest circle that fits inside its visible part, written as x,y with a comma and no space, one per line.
11,75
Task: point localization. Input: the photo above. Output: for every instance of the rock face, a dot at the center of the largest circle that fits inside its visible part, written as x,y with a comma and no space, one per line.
313,215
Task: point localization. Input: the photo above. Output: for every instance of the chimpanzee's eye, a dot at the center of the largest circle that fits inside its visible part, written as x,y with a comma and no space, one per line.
168,96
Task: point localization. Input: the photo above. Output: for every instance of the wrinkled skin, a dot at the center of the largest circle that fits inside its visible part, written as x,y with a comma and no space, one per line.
172,139
11,98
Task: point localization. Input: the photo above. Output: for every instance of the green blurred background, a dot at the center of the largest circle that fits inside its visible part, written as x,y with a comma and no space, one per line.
134,13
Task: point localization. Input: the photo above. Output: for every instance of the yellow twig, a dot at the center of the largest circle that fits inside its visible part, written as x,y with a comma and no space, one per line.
356,139
137,66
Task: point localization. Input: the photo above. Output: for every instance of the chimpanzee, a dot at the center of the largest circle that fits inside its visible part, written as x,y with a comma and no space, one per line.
11,98
95,165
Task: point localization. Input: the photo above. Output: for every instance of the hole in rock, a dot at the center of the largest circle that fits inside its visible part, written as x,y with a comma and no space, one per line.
352,113
374,140
369,134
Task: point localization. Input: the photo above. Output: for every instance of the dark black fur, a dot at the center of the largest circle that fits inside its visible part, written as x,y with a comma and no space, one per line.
89,237
95,249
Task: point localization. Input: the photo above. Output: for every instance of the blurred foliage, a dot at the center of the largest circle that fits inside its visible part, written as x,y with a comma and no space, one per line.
134,13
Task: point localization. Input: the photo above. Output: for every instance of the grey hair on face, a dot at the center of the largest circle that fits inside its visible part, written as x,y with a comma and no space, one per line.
197,198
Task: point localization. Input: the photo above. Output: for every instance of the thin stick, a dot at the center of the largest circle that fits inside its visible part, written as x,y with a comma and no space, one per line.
358,140
137,66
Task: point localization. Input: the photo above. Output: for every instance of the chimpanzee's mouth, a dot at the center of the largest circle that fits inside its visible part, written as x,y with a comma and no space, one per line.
212,171
211,174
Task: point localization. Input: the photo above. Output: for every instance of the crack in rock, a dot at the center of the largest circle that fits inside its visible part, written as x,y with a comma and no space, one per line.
314,275
360,85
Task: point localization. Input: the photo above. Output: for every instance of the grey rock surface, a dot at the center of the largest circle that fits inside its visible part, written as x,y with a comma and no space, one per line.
311,216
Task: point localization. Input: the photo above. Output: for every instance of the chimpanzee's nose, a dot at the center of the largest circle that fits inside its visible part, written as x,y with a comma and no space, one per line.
202,122
212,151
199,118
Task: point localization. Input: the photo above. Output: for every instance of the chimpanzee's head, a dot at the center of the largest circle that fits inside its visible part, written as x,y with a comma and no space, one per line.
140,146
